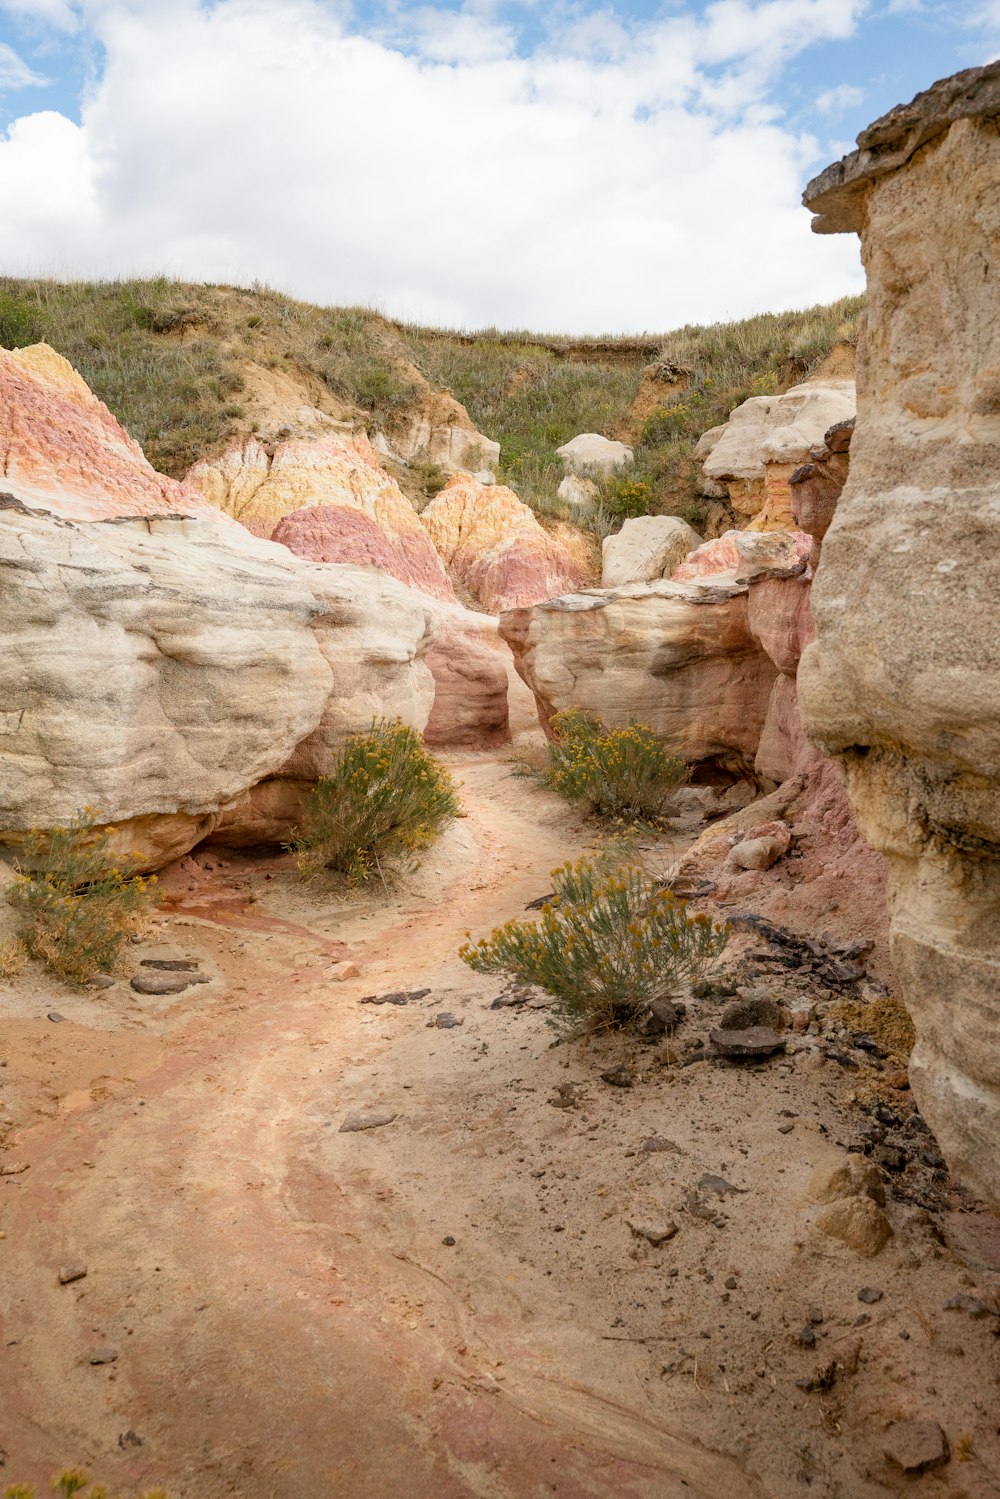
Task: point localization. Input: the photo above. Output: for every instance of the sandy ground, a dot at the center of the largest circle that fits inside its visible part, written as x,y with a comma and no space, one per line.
453,1303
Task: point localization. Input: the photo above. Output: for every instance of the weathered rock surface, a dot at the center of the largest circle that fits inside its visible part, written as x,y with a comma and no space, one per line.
439,430
580,493
494,545
680,657
330,500
160,662
590,454
765,440
647,547
903,682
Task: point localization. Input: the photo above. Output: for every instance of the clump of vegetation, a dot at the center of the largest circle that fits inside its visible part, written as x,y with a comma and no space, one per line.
624,773
73,1481
385,798
75,902
624,499
13,957
609,943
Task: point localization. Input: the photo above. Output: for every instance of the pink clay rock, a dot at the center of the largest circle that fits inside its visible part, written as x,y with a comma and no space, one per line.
493,544
747,555
470,683
62,451
348,508
334,533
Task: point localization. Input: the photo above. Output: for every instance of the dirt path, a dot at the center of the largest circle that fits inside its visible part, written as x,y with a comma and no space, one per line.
451,1304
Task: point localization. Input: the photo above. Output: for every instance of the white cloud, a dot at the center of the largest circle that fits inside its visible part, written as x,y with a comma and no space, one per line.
58,13
637,179
14,71
836,100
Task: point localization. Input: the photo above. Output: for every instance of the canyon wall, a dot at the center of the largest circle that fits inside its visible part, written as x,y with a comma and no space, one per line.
902,684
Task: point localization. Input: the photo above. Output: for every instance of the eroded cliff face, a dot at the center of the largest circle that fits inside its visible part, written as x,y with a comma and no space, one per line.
902,684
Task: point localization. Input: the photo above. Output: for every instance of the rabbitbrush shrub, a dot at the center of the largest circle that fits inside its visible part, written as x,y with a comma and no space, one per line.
625,773
75,902
386,796
609,942
73,1481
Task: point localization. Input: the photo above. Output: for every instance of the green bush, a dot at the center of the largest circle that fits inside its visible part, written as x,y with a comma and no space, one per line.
609,943
76,903
627,498
386,796
18,324
626,773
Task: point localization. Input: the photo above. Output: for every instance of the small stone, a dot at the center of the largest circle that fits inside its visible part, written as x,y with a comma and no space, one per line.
104,1356
970,1304
658,1144
916,1446
69,1273
785,1129
719,1185
653,1233
101,981
358,1120
338,972
396,997
13,1168
169,965
445,1021
816,1316
55,1017
156,982
448,1239
731,1283
890,1158
755,1041
857,1222
129,1439
870,1294
806,1337
618,1077
932,1159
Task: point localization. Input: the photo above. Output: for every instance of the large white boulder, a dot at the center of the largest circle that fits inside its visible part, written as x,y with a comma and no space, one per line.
591,454
648,547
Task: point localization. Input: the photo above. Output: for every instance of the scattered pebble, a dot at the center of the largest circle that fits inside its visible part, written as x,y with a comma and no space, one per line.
170,965
916,1446
449,1239
870,1294
445,1021
69,1273
653,1233
55,1017
104,1356
338,972
396,997
156,982
358,1120
754,1041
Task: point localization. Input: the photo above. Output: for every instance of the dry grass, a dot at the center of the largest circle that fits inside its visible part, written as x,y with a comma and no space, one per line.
167,359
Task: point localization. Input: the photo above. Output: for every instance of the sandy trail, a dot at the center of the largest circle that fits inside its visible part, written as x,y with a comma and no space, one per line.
286,1314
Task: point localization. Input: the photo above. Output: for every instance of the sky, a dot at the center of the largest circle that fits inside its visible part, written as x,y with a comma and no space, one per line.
577,166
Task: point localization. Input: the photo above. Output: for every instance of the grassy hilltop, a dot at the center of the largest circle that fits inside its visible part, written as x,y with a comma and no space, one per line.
171,360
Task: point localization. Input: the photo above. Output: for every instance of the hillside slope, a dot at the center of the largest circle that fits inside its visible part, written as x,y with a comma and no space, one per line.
187,368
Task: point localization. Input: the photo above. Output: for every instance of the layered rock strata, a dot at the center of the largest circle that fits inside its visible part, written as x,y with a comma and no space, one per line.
755,453
902,684
331,494
169,669
493,545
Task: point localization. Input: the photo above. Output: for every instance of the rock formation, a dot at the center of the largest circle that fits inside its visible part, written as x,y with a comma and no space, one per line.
647,547
590,454
360,514
680,657
902,684
494,546
168,668
754,454
439,430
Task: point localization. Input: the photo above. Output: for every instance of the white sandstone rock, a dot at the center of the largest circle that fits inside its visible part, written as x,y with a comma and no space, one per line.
592,454
648,547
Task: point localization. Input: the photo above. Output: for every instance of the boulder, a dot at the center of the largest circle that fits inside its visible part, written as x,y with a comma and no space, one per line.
902,684
764,847
766,439
678,656
330,499
745,556
493,545
591,454
648,547
580,493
